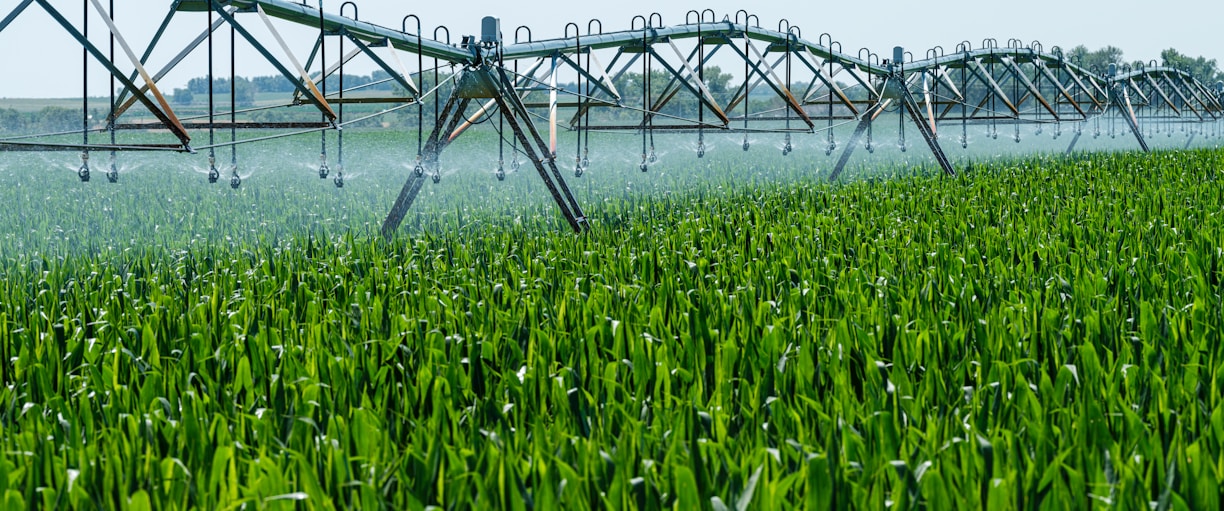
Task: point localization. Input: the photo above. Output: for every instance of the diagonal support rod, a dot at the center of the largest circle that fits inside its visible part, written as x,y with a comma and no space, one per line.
911,107
429,156
1122,101
868,117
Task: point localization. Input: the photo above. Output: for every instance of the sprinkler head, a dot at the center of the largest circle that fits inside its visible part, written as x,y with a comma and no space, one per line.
653,157
1017,139
870,148
235,181
577,167
112,175
339,180
514,164
213,173
323,171
746,145
437,177
643,167
701,149
418,170
83,172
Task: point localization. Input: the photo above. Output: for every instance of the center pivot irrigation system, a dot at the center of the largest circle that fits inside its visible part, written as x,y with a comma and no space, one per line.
812,88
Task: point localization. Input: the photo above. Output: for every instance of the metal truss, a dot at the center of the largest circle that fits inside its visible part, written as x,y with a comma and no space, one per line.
812,87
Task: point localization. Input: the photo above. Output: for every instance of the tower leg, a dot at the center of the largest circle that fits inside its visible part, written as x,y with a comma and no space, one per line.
540,154
851,144
911,106
1074,140
447,118
1122,101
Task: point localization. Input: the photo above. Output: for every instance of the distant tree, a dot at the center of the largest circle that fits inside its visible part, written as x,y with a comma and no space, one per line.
245,91
182,97
1201,68
199,85
57,118
11,120
1098,60
272,84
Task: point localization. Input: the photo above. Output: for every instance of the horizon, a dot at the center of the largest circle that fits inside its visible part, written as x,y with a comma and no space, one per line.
878,31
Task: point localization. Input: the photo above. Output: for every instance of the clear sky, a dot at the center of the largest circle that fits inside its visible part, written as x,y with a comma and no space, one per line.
41,60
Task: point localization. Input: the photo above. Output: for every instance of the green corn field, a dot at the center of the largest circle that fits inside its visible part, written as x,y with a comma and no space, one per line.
1037,333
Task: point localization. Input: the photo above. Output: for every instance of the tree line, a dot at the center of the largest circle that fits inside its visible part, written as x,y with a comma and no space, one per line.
197,88
1201,68
721,85
49,119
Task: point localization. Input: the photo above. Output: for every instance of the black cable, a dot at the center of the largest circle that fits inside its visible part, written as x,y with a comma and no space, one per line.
234,98
323,88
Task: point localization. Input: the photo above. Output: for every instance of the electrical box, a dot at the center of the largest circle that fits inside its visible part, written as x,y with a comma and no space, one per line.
490,30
